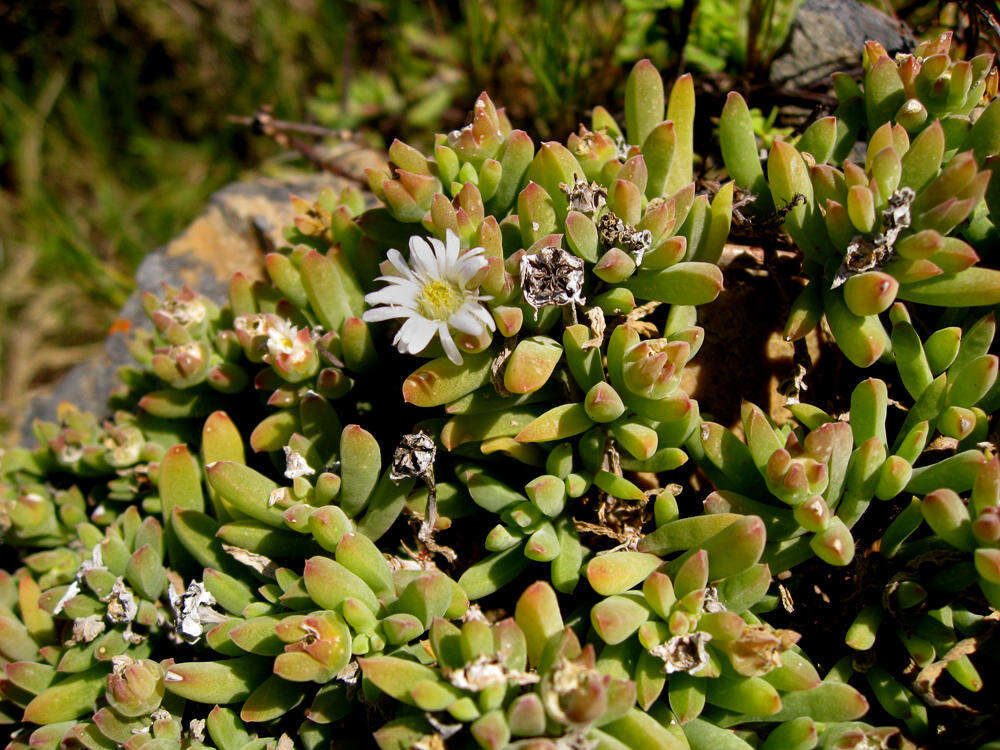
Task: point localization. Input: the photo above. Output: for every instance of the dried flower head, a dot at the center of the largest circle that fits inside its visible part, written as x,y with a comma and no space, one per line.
253,324
86,629
196,728
414,457
72,590
486,671
252,330
758,649
862,255
183,308
683,653
637,243
96,562
192,610
867,738
552,276
587,198
896,216
574,691
295,465
276,496
576,740
712,603
189,357
610,229
124,445
623,147
613,232
866,255
254,560
122,608
69,452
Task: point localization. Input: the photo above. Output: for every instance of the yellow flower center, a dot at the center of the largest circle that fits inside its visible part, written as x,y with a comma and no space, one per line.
439,299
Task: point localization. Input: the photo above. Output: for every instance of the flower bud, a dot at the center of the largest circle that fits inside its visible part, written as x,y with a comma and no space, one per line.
986,528
870,293
834,545
813,515
912,115
794,479
135,686
574,692
182,365
956,422
603,404
652,369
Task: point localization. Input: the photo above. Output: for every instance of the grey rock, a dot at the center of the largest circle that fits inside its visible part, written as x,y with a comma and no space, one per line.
827,36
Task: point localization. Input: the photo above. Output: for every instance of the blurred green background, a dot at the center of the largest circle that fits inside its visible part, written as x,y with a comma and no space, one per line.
114,129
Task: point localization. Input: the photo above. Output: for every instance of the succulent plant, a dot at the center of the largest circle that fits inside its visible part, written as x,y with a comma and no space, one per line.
419,484
925,613
888,228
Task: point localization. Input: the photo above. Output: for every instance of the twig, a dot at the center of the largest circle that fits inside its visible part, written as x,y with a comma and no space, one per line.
426,533
256,123
281,132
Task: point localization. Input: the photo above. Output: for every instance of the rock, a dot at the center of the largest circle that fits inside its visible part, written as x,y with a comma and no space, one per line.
827,36
242,223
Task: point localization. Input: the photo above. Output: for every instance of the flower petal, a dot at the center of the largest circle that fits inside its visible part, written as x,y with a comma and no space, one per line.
482,313
448,343
392,295
422,257
413,283
396,258
440,257
468,267
420,334
400,340
386,312
466,322
452,247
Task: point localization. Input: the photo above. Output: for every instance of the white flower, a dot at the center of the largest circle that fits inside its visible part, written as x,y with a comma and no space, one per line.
280,336
432,293
285,340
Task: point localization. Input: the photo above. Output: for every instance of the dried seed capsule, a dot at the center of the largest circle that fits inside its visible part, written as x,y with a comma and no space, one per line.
551,276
